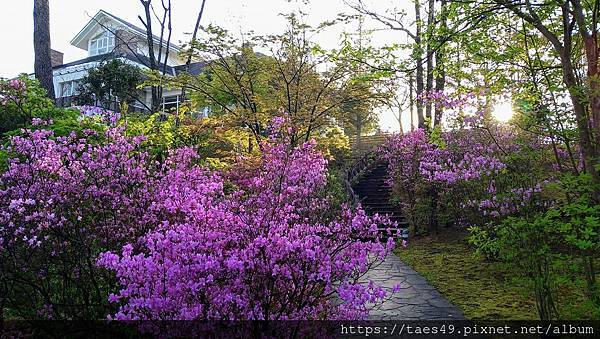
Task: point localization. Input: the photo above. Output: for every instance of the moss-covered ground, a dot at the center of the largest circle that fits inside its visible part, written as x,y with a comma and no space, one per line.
483,290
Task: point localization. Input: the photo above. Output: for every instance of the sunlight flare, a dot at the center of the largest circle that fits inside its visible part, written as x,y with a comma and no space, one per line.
503,111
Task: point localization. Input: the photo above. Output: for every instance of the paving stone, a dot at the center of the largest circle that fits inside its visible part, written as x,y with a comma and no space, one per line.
416,299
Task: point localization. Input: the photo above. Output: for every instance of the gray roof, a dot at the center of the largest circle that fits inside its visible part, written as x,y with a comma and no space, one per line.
195,68
138,59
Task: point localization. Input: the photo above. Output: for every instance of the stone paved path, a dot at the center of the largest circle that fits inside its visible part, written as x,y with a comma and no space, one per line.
416,300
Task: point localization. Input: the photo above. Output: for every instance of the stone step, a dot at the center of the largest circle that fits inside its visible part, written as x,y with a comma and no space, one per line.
374,183
395,213
372,190
380,207
376,200
374,194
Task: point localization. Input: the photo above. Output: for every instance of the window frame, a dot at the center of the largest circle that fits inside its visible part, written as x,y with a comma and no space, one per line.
103,43
70,86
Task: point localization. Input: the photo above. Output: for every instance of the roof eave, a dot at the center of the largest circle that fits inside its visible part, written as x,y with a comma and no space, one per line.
78,40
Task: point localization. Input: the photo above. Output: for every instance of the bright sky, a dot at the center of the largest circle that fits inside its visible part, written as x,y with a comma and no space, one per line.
67,18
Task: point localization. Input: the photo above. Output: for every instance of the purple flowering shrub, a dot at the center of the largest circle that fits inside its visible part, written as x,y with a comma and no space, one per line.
259,245
18,100
471,175
523,194
23,101
94,225
427,172
104,115
65,199
12,91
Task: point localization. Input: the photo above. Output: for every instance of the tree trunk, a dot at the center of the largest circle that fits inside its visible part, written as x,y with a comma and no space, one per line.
420,71
589,35
440,85
586,141
589,148
590,277
429,57
440,80
593,74
433,217
153,64
41,46
400,121
412,103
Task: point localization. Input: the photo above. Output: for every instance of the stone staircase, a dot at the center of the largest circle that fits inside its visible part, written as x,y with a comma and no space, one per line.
374,195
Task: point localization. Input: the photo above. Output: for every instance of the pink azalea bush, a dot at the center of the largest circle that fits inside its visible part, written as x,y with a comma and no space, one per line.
23,101
520,189
103,114
12,91
94,225
427,171
267,249
65,199
468,175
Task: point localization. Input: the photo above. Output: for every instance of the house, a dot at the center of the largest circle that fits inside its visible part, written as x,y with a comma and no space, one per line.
105,37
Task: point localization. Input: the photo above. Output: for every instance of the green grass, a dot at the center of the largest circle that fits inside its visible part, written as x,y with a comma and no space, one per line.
483,290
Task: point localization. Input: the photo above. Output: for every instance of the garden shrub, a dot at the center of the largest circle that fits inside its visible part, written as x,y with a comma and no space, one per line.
268,249
23,99
180,241
550,232
523,197
111,82
67,199
435,177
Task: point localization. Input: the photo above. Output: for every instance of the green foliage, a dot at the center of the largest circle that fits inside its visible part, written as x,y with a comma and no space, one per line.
334,144
24,105
217,146
489,290
435,137
363,86
552,249
112,80
247,88
20,106
335,188
160,133
485,242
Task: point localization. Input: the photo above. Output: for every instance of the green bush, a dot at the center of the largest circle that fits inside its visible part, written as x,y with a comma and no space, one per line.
553,249
23,99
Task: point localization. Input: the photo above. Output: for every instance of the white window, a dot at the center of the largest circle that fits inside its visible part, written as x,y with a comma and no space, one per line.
102,44
68,88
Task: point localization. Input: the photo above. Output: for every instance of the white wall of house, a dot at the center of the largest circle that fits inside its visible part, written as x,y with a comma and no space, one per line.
71,74
173,60
98,37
